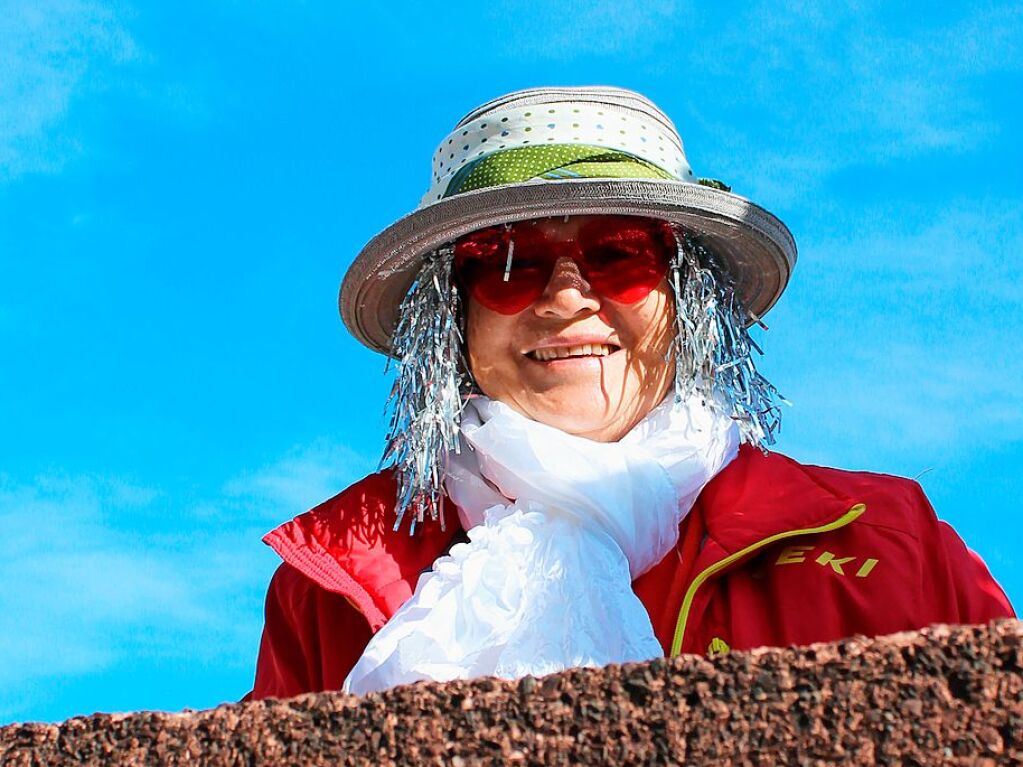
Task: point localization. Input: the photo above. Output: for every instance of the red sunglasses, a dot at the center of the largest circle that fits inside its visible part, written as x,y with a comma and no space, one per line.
506,269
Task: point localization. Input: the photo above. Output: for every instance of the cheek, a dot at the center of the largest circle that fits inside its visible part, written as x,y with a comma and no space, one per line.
654,368
661,330
487,337
474,335
651,326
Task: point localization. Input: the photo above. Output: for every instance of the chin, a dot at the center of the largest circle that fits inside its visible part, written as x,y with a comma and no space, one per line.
597,425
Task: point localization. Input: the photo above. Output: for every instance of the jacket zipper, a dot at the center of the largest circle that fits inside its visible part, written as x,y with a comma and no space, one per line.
687,602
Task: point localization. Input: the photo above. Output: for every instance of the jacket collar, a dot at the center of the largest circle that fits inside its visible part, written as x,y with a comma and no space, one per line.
348,545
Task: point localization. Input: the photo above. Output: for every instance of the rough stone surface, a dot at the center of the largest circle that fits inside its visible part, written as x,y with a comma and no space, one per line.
945,695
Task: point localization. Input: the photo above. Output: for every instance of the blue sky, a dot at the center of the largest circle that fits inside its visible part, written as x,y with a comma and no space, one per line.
183,185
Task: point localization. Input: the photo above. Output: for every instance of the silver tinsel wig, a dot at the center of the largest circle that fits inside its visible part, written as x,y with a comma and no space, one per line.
712,350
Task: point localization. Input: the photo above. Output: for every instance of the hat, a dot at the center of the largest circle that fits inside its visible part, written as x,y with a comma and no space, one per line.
563,151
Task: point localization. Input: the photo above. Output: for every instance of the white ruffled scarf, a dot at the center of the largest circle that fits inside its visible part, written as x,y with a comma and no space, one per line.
559,526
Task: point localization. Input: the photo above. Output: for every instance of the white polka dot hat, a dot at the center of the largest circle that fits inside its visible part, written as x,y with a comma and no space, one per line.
554,152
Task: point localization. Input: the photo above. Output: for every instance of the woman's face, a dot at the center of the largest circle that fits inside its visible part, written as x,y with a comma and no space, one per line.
574,359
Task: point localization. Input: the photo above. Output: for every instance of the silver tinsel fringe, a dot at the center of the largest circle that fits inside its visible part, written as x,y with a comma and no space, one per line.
712,350
430,387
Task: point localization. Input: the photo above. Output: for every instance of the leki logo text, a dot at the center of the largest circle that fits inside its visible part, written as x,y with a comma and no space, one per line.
792,555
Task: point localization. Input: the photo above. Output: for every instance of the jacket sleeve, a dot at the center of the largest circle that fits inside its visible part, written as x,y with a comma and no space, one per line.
978,597
311,638
956,586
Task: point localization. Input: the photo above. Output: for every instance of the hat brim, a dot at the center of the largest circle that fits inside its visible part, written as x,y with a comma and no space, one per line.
754,246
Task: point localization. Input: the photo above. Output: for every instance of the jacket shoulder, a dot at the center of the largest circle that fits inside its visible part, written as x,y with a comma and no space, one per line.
895,502
959,588
762,495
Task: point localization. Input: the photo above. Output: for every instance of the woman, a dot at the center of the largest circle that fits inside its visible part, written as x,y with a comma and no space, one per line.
568,309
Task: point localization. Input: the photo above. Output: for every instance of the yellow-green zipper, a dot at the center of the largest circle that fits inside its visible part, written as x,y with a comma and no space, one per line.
683,613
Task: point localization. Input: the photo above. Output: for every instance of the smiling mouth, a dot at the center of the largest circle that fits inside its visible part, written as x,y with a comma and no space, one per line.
567,352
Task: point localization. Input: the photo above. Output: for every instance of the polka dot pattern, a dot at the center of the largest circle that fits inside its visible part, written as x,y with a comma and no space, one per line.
488,151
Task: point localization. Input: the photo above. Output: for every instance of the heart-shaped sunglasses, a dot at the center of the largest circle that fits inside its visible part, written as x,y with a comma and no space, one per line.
507,268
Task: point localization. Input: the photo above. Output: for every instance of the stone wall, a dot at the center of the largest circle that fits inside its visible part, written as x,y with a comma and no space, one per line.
946,695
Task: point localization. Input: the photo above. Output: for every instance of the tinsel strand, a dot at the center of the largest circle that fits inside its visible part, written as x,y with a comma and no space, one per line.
713,349
426,400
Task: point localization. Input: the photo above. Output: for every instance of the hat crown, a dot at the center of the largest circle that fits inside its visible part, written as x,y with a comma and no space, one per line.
601,117
608,95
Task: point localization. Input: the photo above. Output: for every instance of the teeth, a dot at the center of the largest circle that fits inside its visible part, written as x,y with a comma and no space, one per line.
562,352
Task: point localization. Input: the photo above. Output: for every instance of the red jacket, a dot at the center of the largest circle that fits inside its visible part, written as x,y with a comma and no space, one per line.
773,553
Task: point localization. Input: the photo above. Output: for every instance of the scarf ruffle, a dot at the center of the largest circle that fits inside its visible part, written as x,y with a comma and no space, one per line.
559,526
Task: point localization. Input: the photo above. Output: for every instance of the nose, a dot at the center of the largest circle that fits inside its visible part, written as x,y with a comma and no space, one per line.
567,293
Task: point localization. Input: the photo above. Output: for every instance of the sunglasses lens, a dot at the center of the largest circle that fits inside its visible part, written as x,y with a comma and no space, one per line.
626,262
481,266
622,259
509,296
